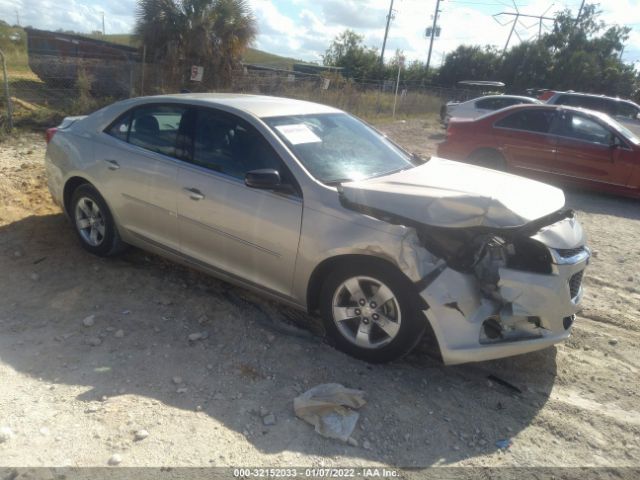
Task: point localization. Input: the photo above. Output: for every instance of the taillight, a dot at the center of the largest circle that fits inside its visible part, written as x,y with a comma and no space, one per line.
50,133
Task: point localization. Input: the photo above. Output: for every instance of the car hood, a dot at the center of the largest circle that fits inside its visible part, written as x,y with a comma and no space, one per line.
445,193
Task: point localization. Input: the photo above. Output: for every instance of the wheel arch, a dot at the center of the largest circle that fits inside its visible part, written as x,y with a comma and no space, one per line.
70,186
325,267
489,153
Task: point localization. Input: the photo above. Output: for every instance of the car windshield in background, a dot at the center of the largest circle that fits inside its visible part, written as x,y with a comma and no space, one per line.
337,148
628,134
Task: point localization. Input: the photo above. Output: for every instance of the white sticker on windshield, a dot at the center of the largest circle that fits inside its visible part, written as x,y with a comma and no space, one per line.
298,133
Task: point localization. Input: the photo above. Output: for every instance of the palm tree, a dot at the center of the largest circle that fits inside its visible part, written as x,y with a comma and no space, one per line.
211,33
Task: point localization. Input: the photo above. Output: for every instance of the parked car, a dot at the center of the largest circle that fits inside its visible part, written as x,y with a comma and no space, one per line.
311,207
481,106
623,111
469,89
561,144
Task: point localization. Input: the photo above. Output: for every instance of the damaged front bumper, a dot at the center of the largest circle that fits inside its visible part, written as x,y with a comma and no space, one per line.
528,311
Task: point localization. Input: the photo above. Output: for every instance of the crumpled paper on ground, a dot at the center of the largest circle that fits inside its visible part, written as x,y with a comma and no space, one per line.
328,407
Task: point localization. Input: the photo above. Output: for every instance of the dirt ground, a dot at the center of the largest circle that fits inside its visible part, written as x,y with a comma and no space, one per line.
75,395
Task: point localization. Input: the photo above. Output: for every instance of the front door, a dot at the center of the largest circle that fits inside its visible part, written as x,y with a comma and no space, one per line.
587,150
248,233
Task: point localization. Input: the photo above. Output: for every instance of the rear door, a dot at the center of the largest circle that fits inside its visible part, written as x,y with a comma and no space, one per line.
588,149
523,137
248,233
137,156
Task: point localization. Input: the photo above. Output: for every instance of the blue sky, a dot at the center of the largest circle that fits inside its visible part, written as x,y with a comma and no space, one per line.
304,28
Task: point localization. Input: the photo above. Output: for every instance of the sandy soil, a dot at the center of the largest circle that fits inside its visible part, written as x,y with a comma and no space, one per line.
76,395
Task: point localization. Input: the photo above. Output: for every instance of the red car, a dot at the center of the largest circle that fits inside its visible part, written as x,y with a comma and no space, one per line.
552,143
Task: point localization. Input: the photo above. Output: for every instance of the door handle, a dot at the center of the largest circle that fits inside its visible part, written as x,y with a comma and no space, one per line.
113,165
194,193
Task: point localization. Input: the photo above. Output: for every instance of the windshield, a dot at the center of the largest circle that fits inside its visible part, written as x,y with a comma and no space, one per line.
336,147
628,134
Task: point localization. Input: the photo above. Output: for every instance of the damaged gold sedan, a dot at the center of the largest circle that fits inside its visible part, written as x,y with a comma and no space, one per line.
312,207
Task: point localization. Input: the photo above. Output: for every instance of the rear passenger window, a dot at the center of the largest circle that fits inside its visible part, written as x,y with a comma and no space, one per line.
155,128
120,129
487,104
538,121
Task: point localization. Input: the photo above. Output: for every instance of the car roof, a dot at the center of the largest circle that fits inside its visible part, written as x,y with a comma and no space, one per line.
519,97
595,95
544,106
261,106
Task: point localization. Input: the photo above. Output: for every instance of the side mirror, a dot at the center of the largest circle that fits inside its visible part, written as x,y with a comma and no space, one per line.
263,178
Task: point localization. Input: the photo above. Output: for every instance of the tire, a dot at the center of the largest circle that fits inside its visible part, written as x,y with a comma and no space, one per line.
93,222
488,159
376,333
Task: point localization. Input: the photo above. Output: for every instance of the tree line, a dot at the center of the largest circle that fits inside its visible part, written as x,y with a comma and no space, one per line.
581,54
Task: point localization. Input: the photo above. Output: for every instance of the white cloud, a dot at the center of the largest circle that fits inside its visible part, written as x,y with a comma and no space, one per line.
305,28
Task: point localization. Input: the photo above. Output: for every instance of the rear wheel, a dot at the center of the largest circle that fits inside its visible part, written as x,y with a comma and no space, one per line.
488,158
371,312
94,223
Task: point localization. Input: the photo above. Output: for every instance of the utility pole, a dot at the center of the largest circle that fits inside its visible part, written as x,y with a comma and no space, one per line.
579,13
17,17
433,32
386,32
103,24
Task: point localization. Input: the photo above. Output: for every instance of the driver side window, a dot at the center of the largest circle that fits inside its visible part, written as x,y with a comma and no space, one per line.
229,145
580,127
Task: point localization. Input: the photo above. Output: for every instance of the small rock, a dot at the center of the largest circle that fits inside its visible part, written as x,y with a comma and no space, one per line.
271,338
89,321
366,445
209,367
613,341
456,448
629,279
44,431
352,441
6,434
126,312
198,408
263,412
177,380
94,341
17,253
115,459
194,337
269,420
35,277
182,390
140,435
119,334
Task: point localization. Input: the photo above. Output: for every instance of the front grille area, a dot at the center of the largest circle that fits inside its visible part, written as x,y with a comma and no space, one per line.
574,284
569,252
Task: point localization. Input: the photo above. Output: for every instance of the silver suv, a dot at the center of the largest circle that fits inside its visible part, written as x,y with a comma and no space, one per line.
308,205
624,111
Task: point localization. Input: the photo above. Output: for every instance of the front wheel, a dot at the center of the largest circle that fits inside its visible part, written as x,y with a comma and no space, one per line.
371,312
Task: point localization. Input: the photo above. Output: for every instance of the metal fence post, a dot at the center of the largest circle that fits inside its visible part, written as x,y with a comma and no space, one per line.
6,92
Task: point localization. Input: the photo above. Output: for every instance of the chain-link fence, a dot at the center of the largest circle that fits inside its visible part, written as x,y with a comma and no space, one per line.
59,77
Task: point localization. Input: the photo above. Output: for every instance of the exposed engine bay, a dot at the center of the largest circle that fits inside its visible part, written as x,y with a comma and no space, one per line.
496,286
